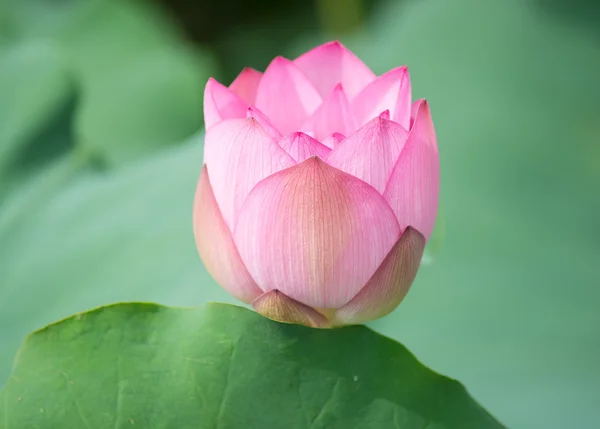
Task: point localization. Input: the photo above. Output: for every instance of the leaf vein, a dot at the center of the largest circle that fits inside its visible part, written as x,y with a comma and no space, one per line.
76,402
327,403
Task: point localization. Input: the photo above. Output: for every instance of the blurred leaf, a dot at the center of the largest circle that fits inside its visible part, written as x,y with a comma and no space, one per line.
142,106
124,236
37,94
141,84
38,188
224,366
94,31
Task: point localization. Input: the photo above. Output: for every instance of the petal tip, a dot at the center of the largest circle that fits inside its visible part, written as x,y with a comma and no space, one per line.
385,115
280,60
314,161
414,235
422,103
399,70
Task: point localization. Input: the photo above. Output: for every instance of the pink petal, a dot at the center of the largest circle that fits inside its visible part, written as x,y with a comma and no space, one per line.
286,96
371,153
220,103
246,84
239,153
216,246
314,233
414,109
301,146
390,283
390,91
333,140
264,122
331,117
277,306
332,63
413,188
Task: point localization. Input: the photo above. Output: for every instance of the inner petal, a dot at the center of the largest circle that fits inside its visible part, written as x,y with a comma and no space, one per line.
286,96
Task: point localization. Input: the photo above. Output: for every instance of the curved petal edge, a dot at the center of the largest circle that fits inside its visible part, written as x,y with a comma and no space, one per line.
390,91
221,103
216,247
333,63
390,283
412,190
239,153
371,152
286,96
246,84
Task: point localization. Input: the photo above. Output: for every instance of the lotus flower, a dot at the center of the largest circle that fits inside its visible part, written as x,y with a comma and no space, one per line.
319,188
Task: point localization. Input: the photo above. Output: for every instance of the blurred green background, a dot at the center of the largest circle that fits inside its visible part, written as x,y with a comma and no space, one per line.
101,147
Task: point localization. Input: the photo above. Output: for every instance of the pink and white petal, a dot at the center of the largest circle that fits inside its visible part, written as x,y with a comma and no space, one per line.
371,153
390,91
216,247
314,233
264,122
413,188
239,153
332,63
246,84
390,283
286,96
220,104
333,140
332,116
301,146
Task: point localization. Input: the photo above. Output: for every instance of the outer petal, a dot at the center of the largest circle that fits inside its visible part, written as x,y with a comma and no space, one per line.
286,96
390,91
239,153
330,64
371,153
216,246
220,103
280,307
331,117
246,84
314,233
390,283
301,146
413,188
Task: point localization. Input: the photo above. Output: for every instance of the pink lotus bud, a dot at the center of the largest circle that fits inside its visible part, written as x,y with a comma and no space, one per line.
319,188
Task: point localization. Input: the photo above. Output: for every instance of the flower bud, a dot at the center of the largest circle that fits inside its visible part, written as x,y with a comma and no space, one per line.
319,188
